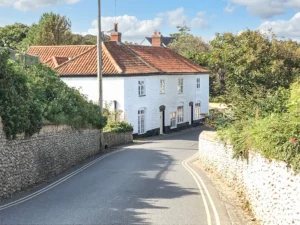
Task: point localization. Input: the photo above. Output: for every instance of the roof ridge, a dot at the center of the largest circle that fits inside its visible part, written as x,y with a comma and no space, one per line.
57,46
55,61
113,61
76,57
141,58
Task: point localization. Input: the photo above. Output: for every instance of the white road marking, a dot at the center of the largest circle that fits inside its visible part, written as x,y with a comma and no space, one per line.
193,173
208,216
56,183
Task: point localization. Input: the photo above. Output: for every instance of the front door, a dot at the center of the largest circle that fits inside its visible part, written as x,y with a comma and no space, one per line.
162,119
141,122
191,113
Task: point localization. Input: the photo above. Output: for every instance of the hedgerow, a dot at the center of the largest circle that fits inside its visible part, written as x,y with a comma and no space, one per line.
275,136
32,95
118,127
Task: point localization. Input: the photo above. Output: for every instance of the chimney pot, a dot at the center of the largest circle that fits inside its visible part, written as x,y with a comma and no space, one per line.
115,35
157,39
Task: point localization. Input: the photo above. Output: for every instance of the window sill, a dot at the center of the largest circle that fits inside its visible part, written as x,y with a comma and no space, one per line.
180,93
142,95
180,122
162,93
173,128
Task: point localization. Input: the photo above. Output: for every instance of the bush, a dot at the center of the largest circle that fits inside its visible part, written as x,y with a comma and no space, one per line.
276,136
33,94
219,119
118,127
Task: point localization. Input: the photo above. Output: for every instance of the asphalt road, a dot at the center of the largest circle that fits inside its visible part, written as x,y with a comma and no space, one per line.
146,183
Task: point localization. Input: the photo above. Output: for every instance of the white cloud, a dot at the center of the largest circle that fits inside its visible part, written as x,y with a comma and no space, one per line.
27,5
199,23
201,14
131,28
5,2
136,30
284,28
176,17
264,8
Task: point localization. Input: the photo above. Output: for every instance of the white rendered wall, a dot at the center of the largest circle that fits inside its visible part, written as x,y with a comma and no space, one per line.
113,88
125,92
171,99
87,86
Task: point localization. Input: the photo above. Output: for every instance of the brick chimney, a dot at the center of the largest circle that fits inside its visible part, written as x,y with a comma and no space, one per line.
157,39
115,35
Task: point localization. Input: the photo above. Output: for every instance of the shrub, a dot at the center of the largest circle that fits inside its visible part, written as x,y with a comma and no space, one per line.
275,135
118,127
32,94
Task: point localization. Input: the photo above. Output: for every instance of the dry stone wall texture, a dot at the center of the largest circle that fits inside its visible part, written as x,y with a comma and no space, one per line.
272,189
25,162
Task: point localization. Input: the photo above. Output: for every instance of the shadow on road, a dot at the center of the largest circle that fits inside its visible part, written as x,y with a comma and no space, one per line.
146,189
129,187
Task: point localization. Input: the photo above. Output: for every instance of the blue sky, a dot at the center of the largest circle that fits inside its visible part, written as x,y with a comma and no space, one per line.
139,18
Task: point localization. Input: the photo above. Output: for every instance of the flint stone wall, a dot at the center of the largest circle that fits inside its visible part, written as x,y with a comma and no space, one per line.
272,189
26,162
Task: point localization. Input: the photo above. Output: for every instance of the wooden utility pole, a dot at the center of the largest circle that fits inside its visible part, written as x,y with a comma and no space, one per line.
100,69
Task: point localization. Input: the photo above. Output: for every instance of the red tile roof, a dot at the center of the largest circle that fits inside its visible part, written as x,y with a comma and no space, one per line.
46,52
117,59
166,60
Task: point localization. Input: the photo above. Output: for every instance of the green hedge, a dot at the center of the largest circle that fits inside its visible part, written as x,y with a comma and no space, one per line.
118,127
31,95
275,136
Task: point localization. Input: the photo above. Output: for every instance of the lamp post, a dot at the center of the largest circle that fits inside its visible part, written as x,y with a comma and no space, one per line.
99,44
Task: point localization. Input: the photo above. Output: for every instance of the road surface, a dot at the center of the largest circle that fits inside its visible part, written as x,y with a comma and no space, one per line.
151,182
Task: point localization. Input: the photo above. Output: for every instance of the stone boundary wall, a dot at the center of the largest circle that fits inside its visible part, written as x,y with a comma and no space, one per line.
25,163
272,189
114,139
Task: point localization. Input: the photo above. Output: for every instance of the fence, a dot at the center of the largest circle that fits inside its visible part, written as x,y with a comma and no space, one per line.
23,58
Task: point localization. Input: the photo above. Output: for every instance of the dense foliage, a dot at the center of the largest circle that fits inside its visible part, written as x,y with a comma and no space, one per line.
187,44
114,122
276,135
257,75
34,94
12,35
118,127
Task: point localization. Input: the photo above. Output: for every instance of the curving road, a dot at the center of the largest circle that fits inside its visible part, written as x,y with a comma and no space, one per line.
151,182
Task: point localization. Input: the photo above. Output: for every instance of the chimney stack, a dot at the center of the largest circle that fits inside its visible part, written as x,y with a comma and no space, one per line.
157,39
115,35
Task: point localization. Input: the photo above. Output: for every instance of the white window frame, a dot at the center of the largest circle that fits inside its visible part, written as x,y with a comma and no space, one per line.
198,83
173,120
180,85
198,110
180,114
162,86
142,88
141,121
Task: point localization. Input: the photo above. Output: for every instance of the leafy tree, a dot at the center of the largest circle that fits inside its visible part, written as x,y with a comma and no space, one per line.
250,66
78,39
52,29
12,35
187,44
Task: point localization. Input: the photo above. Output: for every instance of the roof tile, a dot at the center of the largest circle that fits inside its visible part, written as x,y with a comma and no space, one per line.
117,59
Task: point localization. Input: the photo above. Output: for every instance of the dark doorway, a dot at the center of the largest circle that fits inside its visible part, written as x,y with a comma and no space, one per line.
192,112
162,119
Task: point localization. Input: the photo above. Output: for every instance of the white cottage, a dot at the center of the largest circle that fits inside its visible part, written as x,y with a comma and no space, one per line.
158,90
